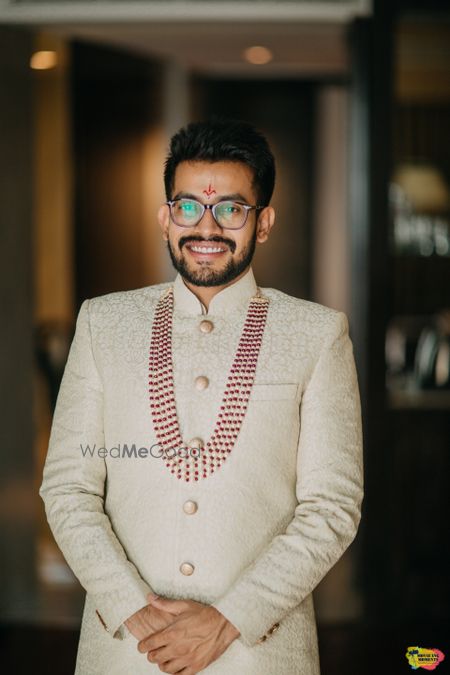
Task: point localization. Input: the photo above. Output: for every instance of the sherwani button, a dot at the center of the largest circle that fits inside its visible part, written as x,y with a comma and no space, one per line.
190,507
196,443
206,326
186,568
201,382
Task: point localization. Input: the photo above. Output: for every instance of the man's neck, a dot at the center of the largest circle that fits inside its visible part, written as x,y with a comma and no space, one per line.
206,293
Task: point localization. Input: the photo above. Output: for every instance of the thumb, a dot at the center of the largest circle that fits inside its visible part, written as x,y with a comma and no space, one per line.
172,606
155,599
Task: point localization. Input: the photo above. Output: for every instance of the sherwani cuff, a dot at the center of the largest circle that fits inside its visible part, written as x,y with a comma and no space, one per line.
113,609
253,624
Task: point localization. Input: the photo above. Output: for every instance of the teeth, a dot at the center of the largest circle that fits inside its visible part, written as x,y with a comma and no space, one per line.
204,249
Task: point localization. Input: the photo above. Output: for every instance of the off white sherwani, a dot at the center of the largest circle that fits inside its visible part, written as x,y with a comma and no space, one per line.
268,524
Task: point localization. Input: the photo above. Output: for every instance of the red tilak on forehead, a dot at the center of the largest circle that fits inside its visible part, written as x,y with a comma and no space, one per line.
210,191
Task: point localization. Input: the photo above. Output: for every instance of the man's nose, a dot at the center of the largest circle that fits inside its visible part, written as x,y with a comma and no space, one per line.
207,225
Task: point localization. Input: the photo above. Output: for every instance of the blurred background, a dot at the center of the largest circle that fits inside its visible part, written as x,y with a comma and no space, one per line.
354,97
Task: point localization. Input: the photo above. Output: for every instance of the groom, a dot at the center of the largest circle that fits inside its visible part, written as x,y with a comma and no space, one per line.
252,398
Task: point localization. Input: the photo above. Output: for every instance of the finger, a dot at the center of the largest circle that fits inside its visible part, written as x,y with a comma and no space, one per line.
173,666
160,656
153,641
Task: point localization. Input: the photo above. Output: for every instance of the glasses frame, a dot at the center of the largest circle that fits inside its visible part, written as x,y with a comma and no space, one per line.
212,208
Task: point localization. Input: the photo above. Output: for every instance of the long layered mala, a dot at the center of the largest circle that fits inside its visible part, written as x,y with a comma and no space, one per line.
193,463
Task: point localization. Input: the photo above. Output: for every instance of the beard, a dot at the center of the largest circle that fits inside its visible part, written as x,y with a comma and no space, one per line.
203,275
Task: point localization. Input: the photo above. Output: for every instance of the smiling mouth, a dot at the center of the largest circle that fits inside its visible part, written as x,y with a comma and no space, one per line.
206,249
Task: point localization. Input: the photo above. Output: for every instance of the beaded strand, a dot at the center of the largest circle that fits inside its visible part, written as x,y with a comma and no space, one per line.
201,462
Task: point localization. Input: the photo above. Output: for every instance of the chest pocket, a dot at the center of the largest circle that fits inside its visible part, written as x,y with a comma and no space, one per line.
274,392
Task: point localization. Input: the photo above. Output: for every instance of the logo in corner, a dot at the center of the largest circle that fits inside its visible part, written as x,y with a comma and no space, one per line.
420,657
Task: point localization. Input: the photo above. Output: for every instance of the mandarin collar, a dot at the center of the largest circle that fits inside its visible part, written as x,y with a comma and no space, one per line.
229,299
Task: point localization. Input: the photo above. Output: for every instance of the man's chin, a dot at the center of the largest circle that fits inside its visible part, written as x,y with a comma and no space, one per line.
206,274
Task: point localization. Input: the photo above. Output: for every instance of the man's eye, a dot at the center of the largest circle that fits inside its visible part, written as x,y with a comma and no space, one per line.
187,207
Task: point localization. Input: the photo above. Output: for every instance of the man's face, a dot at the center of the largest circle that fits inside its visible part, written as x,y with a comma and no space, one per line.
209,183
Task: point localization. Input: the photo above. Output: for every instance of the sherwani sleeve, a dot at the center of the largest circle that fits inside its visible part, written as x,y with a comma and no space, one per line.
73,490
329,493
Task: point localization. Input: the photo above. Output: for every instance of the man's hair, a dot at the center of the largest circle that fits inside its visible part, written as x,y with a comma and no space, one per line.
218,140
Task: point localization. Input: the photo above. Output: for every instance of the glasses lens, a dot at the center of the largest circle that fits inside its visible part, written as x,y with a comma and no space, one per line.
230,214
186,212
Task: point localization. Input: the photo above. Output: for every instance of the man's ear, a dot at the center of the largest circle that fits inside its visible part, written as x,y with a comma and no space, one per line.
264,224
164,220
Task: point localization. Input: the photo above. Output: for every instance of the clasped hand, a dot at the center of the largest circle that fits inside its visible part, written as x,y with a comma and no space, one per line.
185,635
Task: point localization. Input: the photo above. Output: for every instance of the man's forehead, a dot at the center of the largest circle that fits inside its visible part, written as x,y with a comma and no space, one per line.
223,175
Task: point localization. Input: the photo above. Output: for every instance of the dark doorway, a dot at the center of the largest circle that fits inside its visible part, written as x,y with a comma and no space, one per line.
116,98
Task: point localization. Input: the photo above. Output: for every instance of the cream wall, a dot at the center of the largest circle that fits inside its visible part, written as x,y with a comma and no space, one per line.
331,238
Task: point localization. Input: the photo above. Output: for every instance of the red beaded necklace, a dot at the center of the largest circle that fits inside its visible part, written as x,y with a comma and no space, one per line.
193,463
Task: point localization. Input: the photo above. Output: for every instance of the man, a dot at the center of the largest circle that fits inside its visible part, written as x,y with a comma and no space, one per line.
206,443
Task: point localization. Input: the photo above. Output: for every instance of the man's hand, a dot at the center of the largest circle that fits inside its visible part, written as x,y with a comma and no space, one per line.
196,637
148,620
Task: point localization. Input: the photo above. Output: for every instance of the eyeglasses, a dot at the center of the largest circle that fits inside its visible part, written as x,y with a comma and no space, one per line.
227,214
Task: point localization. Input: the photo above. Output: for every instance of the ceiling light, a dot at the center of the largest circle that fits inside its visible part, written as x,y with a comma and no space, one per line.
258,55
43,60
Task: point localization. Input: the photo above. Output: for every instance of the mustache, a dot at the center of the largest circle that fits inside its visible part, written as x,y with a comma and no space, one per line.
218,240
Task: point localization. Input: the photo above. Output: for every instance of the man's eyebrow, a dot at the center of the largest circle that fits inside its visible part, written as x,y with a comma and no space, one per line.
185,195
234,197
